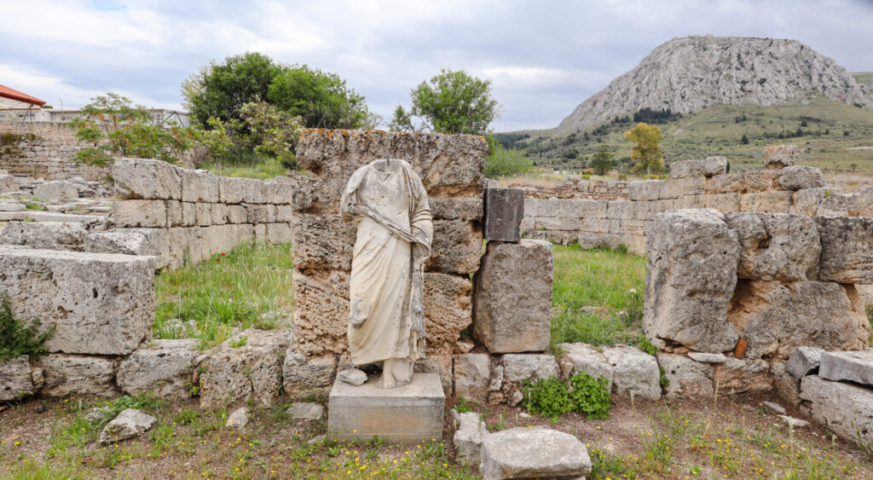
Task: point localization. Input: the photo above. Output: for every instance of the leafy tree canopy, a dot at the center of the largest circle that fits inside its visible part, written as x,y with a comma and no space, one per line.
646,151
602,160
320,99
451,102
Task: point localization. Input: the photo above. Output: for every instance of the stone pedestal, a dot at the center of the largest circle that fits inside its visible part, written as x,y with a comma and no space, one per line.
408,414
504,210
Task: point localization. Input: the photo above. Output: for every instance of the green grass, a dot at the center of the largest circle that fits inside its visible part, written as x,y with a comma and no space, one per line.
266,169
603,278
232,290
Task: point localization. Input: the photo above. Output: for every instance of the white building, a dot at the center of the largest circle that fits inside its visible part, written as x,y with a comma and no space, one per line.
18,106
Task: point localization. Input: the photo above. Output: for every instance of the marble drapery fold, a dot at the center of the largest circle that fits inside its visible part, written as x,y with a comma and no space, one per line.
394,236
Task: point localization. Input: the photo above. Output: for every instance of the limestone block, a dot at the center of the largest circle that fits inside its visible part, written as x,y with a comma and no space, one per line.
203,214
504,210
16,381
801,177
863,207
619,210
100,304
457,247
776,246
846,249
164,368
513,297
175,213
837,205
855,367
261,213
787,387
774,318
279,190
740,376
56,192
352,376
723,202
251,371
533,453
699,168
305,411
131,241
780,156
468,437
440,364
219,214
138,178
239,419
635,373
189,214
448,309
198,186
472,376
44,235
140,213
130,423
279,233
713,358
284,214
749,182
77,375
322,241
578,357
233,190
322,315
691,276
11,207
463,208
804,361
806,201
844,409
688,379
774,201
677,188
411,413
8,184
304,375
645,190
520,367
236,214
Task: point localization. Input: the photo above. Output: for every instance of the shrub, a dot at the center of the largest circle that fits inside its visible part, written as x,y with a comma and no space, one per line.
16,339
552,398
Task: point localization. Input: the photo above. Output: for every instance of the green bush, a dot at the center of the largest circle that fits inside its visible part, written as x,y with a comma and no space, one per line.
16,339
552,398
502,162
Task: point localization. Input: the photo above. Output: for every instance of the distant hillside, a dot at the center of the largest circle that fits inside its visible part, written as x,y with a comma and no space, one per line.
865,79
688,74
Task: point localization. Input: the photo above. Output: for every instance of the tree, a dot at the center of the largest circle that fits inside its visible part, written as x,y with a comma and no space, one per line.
602,161
220,90
271,131
646,151
451,102
505,162
745,139
111,126
320,99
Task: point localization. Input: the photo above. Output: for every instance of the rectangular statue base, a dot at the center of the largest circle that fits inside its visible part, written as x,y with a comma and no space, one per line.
408,414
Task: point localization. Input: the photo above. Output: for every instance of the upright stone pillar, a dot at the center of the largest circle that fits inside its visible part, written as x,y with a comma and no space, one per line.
504,211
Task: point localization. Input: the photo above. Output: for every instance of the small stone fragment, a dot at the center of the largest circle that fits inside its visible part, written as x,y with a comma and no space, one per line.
238,419
468,437
804,361
128,424
775,407
352,376
707,357
794,422
305,411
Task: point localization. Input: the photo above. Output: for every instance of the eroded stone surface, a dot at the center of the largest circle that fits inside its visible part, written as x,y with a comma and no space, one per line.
239,419
635,373
457,247
845,409
305,411
469,433
44,235
801,177
780,156
15,379
146,179
776,246
804,361
854,367
302,375
699,168
164,368
533,453
688,379
520,367
739,376
847,249
504,210
130,423
578,357
472,376
77,375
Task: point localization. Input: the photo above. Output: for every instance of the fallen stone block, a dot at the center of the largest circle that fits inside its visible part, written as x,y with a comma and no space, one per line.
635,373
130,423
504,210
804,361
688,379
513,297
699,168
801,177
246,366
533,453
469,433
693,258
56,192
578,357
846,249
472,376
139,178
238,419
787,387
854,367
776,318
305,411
77,375
44,235
846,410
352,376
165,368
100,304
780,156
16,381
776,246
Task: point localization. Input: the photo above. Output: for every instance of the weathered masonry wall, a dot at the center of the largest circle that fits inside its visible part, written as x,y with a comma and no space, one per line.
182,215
42,150
575,187
451,169
796,189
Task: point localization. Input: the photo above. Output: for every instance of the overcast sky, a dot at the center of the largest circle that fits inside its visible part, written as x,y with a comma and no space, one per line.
543,57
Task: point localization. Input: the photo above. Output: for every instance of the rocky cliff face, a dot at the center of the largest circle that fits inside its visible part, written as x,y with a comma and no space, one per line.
688,74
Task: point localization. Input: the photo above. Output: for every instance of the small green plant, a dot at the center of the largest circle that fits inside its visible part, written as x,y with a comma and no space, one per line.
552,398
34,206
16,338
645,345
664,381
462,406
239,342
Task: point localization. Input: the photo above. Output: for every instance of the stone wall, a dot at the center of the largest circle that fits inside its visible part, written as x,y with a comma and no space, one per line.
46,150
451,168
182,215
795,189
575,187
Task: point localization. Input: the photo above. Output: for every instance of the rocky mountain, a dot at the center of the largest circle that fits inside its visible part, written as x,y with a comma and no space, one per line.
690,73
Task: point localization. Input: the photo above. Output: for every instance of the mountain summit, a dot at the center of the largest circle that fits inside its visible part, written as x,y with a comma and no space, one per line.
690,73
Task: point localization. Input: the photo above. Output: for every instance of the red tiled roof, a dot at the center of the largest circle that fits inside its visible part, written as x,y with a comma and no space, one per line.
22,97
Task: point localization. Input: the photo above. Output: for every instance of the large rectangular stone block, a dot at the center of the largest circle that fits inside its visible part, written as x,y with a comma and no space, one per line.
462,208
504,210
409,414
856,367
513,297
101,304
750,182
846,249
846,410
699,168
199,186
457,247
140,213
152,242
322,242
774,201
645,190
776,246
146,179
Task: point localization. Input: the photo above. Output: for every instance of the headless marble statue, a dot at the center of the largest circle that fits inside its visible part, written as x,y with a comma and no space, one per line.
395,230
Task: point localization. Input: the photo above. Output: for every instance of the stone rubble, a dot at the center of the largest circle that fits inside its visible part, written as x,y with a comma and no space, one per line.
130,423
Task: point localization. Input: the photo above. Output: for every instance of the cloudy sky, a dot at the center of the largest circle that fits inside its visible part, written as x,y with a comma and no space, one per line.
543,57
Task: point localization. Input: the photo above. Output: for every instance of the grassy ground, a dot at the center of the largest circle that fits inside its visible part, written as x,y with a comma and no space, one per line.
248,286
263,170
